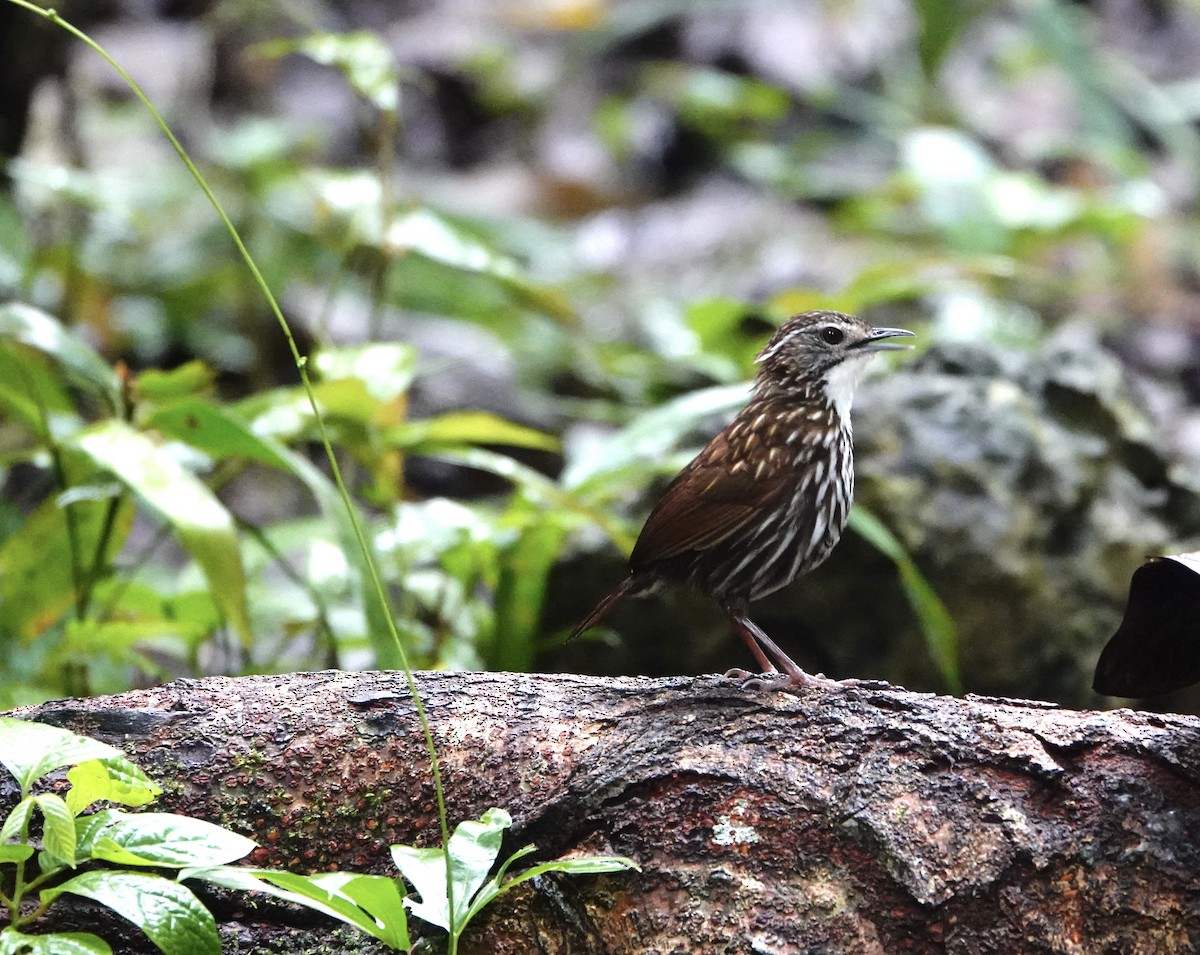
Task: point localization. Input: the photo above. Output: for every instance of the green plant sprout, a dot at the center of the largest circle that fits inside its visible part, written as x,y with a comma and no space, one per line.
170,915
376,904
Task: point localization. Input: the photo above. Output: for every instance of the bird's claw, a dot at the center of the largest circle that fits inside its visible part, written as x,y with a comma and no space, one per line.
771,680
798,681
737,673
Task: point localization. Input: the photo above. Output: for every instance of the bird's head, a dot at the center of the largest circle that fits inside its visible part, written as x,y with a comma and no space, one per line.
823,352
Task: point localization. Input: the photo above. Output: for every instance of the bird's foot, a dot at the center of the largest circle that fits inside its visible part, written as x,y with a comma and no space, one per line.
750,680
792,681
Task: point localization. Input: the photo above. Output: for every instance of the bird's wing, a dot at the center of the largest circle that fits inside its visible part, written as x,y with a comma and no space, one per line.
711,500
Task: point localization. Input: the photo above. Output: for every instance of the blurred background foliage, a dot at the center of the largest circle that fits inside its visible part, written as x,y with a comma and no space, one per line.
532,247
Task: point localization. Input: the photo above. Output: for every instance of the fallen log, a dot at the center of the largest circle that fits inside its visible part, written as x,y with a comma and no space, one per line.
863,819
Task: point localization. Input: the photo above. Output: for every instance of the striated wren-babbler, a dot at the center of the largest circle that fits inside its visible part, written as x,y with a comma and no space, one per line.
767,499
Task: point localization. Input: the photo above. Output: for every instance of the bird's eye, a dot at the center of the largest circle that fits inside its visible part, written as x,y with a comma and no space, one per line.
832,334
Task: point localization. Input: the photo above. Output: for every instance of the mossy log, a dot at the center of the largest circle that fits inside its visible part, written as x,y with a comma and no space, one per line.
863,819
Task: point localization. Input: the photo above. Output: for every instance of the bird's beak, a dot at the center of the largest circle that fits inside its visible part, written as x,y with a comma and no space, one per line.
874,341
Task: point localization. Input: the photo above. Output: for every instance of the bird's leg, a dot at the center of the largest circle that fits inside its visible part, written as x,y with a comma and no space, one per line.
760,645
746,629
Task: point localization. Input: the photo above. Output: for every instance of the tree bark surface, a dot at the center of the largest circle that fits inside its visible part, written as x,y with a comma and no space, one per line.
864,819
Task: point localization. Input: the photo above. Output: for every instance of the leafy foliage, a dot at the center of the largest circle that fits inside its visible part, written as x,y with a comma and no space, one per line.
167,911
170,915
139,545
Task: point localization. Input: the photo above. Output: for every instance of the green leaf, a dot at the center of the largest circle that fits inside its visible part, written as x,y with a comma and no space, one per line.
81,365
941,636
170,915
17,823
13,942
467,427
386,368
16,246
578,865
37,583
166,839
187,380
58,829
371,903
941,25
204,526
473,848
362,57
540,490
437,239
32,393
31,750
219,432
115,780
382,898
89,828
425,870
651,436
15,853
521,591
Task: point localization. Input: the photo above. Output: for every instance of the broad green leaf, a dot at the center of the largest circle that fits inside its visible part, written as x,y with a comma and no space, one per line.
204,526
540,490
383,899
13,942
468,427
579,865
30,750
89,828
37,580
386,368
520,593
127,640
371,903
941,636
51,865
425,233
30,391
16,245
473,848
941,25
425,870
81,365
726,348
350,407
115,780
651,436
278,414
217,431
17,821
188,380
170,915
362,57
166,839
58,827
15,853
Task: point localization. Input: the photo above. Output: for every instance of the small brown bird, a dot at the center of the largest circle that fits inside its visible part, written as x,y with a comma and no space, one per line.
767,499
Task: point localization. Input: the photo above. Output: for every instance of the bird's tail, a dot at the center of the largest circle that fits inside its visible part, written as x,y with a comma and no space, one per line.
623,589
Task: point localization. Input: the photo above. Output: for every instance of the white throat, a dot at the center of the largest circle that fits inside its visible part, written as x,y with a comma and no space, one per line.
841,380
